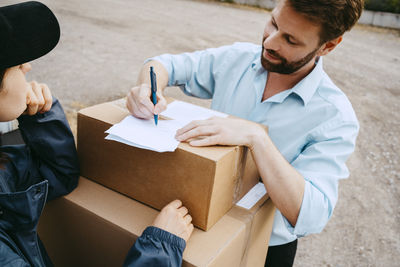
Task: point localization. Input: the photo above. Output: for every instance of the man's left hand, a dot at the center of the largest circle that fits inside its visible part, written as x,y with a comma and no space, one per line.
220,131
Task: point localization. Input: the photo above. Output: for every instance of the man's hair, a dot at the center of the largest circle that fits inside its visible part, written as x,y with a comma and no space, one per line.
335,16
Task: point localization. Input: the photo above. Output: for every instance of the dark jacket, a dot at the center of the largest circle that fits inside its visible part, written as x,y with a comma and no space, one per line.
156,247
46,168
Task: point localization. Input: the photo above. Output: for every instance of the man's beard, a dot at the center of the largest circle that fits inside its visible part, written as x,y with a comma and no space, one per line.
285,67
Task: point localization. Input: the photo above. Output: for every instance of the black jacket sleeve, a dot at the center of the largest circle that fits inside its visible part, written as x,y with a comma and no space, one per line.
9,258
156,247
52,147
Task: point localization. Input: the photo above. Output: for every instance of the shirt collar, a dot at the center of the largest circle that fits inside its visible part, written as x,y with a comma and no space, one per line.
305,89
256,64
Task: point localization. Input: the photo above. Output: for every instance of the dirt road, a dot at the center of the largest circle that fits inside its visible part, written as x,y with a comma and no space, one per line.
104,43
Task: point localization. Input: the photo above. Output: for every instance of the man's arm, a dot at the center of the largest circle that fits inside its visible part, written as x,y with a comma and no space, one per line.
305,189
194,72
284,184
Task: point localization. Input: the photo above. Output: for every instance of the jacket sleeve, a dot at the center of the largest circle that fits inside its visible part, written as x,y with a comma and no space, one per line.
156,247
8,257
52,147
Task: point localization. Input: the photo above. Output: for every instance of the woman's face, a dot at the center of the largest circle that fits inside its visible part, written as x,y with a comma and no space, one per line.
13,92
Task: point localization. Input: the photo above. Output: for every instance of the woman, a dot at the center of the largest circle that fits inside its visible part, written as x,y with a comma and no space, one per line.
46,166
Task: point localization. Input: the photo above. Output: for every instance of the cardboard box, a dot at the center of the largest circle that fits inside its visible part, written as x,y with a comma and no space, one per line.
209,180
95,226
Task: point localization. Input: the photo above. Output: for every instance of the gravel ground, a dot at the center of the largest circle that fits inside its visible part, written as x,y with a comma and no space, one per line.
104,43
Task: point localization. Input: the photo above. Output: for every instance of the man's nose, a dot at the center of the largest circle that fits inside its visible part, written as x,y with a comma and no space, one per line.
272,41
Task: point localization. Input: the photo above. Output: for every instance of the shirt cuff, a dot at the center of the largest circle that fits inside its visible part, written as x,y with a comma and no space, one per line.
299,229
167,65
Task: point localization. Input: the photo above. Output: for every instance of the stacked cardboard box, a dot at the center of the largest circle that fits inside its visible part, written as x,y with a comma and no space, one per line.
95,226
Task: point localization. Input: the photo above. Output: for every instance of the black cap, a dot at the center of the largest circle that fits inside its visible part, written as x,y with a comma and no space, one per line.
27,31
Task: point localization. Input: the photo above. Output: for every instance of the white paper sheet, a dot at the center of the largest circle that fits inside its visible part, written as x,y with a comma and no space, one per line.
186,112
161,138
252,197
145,134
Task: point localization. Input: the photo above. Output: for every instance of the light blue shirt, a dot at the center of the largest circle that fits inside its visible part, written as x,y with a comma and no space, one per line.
312,124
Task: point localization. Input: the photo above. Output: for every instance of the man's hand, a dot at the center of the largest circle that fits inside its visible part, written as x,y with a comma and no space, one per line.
140,105
221,131
38,98
174,218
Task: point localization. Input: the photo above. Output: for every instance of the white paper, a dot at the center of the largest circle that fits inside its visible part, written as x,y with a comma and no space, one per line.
161,138
186,112
252,197
145,134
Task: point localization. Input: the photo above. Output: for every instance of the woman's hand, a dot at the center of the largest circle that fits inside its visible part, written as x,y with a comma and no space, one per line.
174,218
38,99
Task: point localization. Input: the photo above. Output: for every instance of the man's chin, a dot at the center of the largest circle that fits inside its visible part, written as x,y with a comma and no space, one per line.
269,66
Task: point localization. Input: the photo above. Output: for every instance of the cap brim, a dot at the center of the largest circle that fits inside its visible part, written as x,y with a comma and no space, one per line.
33,31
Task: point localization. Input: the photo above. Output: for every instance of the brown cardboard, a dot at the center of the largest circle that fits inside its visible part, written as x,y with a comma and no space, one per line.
209,180
95,226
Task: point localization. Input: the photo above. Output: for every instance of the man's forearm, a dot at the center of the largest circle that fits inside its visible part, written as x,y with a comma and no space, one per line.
161,72
284,184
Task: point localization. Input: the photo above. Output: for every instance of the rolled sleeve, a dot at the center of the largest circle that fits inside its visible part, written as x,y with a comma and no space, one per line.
323,164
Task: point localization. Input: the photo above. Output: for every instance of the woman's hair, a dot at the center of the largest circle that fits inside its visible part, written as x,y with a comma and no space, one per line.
3,156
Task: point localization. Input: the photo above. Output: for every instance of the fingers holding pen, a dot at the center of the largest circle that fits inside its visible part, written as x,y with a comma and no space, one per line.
161,103
139,103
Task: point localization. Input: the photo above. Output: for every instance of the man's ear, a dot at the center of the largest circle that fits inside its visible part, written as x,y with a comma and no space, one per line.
327,47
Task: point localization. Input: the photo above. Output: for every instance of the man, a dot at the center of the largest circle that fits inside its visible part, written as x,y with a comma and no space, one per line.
312,127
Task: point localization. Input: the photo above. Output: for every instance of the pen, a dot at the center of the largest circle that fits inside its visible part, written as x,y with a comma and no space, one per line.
153,91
